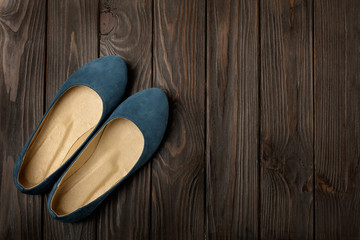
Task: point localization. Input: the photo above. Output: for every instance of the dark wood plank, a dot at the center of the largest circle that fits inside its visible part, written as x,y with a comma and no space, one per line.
337,117
126,30
286,119
72,41
232,119
178,167
22,66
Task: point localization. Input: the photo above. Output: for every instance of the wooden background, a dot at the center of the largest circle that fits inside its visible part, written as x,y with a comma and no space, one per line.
264,130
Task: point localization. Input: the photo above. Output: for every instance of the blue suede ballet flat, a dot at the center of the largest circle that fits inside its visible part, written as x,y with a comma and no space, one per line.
124,143
80,106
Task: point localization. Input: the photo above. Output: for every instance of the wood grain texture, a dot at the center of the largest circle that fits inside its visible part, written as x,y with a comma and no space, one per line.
286,120
337,117
72,41
232,120
126,30
22,66
178,167
260,92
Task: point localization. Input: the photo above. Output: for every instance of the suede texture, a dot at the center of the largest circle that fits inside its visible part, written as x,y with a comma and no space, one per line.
107,76
148,110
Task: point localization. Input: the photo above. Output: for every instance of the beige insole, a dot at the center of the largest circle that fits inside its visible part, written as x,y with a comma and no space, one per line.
111,154
67,125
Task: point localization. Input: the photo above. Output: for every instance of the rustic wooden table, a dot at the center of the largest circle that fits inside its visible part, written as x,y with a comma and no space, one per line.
264,130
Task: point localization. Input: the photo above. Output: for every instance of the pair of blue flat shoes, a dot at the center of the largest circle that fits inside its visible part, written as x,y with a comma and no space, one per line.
88,142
